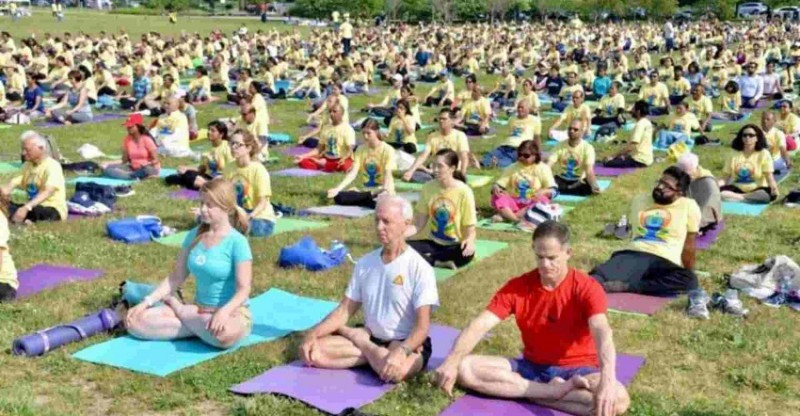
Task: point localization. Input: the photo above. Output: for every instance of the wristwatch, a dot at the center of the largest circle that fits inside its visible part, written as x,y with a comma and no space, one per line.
407,350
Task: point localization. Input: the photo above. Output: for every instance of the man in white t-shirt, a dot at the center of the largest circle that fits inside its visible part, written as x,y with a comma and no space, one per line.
396,289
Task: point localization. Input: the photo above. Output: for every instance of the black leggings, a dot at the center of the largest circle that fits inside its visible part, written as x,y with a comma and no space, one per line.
579,187
186,179
106,91
624,162
7,293
410,148
38,213
127,103
434,252
433,102
602,121
646,273
355,198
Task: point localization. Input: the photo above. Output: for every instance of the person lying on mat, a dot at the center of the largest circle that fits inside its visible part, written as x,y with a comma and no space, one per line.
334,153
522,185
446,137
42,181
573,164
578,110
74,107
700,105
218,255
704,190
396,289
524,127
373,164
8,272
212,163
776,142
139,153
638,153
475,114
662,252
569,359
251,182
446,209
747,176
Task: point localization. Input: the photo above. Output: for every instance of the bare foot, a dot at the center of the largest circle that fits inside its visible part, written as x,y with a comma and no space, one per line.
497,218
561,387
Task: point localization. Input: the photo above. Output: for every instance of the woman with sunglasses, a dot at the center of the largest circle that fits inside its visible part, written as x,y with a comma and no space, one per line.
522,185
747,176
251,183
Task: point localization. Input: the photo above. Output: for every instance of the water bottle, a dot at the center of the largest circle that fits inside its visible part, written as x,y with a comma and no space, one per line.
623,222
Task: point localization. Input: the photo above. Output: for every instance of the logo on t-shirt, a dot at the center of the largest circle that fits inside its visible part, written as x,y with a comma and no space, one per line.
442,213
524,187
32,191
571,166
744,173
517,132
332,151
243,197
371,172
398,280
653,225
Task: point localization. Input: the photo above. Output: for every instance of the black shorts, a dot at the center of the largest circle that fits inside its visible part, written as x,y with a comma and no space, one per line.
7,293
735,189
427,348
38,213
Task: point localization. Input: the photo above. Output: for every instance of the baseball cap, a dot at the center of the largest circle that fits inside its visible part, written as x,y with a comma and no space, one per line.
135,119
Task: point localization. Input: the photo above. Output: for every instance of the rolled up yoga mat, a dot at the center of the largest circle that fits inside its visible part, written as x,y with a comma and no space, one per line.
41,342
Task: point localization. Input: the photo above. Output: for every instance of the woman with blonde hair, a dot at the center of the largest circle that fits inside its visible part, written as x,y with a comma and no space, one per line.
218,255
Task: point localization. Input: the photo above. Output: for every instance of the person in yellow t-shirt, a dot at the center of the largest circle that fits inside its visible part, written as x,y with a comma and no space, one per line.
611,107
309,87
573,165
776,142
567,91
373,165
442,94
475,115
252,183
8,272
336,96
730,103
580,111
402,129
334,151
212,163
446,138
638,152
678,86
172,131
446,211
529,94
523,127
788,121
42,180
656,94
255,125
522,185
661,257
747,176
346,33
700,105
200,86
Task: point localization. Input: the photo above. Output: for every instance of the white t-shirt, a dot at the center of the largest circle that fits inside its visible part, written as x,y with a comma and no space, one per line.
390,294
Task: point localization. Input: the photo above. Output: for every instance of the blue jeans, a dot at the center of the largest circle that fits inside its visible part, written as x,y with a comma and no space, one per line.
779,165
544,373
124,171
505,155
261,227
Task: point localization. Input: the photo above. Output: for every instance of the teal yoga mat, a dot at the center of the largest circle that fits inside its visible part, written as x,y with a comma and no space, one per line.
9,167
276,314
483,249
101,181
566,199
164,172
743,208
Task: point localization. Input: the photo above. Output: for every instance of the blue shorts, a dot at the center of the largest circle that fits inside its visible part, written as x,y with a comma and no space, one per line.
261,228
544,373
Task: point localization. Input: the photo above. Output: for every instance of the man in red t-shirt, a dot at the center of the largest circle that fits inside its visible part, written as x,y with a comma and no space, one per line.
569,357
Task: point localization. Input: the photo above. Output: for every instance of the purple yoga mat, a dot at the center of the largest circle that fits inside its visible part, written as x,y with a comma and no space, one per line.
295,150
636,303
186,194
98,118
601,170
44,276
332,391
298,173
475,405
41,342
706,240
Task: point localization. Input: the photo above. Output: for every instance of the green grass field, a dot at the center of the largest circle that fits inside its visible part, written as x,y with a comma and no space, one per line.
719,367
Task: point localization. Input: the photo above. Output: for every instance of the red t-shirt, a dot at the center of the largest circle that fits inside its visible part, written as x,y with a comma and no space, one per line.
141,152
554,324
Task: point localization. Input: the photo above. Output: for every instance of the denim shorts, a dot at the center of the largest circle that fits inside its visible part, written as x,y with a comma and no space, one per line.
544,373
260,227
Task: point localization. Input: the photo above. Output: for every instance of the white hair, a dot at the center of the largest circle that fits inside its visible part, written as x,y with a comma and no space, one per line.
405,206
37,138
688,162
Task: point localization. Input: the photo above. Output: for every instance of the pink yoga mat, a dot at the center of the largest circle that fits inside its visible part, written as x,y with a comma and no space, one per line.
705,241
295,150
44,276
332,391
476,405
186,194
636,303
601,170
298,173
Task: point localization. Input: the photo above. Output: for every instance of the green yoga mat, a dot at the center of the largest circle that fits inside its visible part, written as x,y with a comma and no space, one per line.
487,223
9,167
276,314
474,181
483,249
284,225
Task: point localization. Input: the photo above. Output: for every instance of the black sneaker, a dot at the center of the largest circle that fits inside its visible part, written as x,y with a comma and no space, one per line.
123,191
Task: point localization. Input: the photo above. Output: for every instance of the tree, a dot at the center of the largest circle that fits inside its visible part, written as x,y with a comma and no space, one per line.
444,8
392,8
498,8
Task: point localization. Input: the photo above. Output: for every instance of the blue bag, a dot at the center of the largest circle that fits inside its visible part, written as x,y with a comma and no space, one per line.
137,230
305,253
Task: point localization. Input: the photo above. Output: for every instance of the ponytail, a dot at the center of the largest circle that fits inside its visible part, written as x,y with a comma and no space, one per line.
460,176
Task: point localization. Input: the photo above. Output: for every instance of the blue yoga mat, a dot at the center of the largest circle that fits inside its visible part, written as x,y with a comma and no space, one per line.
280,138
602,183
101,181
743,208
275,314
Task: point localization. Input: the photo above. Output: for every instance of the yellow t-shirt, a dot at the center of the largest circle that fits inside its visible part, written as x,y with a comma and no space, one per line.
657,95
609,105
679,87
790,124
336,141
572,162
36,178
523,129
522,182
346,30
176,123
449,211
398,135
8,272
642,137
571,114
684,124
260,105
443,90
568,90
391,98
455,141
731,102
661,229
533,101
373,165
749,173
701,108
217,159
476,110
252,185
776,140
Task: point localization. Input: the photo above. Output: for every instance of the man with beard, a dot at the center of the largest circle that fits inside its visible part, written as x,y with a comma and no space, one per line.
662,253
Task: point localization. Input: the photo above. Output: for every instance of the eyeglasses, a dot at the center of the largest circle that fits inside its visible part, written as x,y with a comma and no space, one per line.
663,184
236,145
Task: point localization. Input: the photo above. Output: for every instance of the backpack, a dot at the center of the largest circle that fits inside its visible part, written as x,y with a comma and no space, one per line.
542,212
137,230
103,194
305,253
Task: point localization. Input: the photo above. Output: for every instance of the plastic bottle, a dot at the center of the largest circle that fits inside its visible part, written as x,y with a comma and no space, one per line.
623,222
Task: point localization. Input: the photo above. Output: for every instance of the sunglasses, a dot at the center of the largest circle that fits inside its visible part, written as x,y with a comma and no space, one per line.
749,135
236,145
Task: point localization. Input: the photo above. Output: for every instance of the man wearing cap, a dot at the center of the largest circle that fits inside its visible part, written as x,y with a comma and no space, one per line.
750,86
42,181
